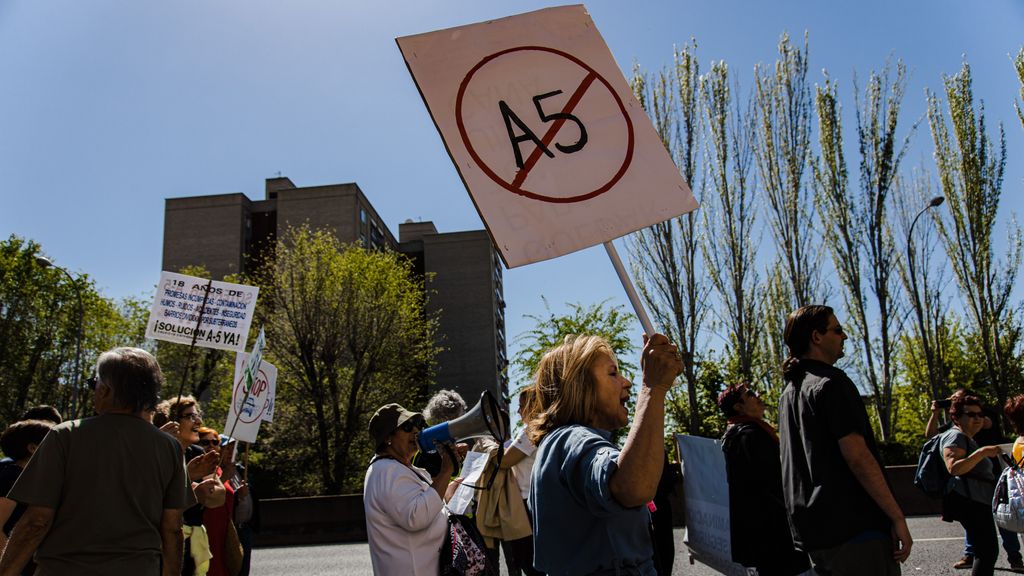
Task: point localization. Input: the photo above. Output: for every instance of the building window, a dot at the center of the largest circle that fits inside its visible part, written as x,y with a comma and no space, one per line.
376,236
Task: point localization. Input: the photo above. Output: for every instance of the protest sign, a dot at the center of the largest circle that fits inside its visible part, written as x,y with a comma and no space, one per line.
247,411
545,132
226,315
706,499
255,358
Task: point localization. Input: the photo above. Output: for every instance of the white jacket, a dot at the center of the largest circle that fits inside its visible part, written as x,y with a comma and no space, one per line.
405,520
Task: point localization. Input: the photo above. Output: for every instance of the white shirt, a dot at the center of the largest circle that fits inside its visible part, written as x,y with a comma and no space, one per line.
524,468
405,519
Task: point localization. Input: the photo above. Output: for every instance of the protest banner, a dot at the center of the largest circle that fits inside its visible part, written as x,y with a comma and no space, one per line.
200,312
250,407
706,498
544,130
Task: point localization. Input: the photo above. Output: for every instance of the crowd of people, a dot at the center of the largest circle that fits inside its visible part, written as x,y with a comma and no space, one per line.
811,495
140,488
144,488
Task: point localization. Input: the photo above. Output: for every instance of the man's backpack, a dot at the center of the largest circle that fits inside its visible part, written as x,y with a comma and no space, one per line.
931,475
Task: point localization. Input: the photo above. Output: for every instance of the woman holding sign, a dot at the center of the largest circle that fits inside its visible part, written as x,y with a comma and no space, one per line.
590,499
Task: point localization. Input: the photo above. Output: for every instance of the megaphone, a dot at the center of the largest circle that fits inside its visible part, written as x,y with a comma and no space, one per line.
485,419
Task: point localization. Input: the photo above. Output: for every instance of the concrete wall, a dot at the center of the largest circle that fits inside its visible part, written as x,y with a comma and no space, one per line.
329,519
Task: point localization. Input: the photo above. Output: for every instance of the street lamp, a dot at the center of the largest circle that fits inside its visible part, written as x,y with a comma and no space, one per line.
45,262
919,312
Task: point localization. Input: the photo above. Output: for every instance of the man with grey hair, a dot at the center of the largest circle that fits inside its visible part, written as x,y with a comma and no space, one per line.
105,494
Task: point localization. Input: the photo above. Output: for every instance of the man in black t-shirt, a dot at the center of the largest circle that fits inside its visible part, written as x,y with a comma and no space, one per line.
841,508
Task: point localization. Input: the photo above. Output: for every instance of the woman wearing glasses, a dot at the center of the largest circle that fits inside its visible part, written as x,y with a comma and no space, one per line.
216,520
208,488
969,499
405,518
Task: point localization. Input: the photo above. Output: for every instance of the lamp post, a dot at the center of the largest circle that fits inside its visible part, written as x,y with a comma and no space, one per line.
45,262
918,311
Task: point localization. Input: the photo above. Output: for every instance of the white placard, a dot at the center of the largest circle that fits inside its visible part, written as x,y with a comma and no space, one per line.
472,468
246,413
706,499
252,365
226,316
545,132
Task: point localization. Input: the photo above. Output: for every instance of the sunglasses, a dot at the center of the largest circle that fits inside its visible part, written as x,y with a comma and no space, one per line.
410,425
974,414
195,417
205,443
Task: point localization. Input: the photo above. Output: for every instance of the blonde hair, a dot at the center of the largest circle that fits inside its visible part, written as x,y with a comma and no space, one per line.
563,387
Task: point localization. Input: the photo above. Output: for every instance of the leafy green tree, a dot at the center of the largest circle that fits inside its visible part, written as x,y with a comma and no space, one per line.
612,323
609,322
970,167
913,391
348,330
39,327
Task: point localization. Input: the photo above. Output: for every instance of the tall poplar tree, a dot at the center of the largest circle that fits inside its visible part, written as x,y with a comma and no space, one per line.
970,167
859,234
782,154
666,257
729,213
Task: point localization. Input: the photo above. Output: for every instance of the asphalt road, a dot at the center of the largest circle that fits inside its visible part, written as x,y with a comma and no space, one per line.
937,545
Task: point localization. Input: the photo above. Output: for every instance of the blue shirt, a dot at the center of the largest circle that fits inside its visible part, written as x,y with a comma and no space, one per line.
578,528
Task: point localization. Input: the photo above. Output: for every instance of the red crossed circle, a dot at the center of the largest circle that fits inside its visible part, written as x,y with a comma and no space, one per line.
516,185
240,393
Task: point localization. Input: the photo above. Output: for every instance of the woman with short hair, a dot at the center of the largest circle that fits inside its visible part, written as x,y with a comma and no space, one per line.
969,500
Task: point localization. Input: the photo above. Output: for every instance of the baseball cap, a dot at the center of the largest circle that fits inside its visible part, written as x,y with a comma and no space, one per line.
386,419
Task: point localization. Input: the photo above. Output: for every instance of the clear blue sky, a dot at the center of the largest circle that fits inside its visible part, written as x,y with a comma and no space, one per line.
109,107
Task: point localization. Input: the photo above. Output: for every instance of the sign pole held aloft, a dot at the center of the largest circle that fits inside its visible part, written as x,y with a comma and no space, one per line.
627,284
192,346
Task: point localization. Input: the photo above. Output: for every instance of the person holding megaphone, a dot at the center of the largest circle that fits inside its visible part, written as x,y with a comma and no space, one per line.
589,499
405,518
